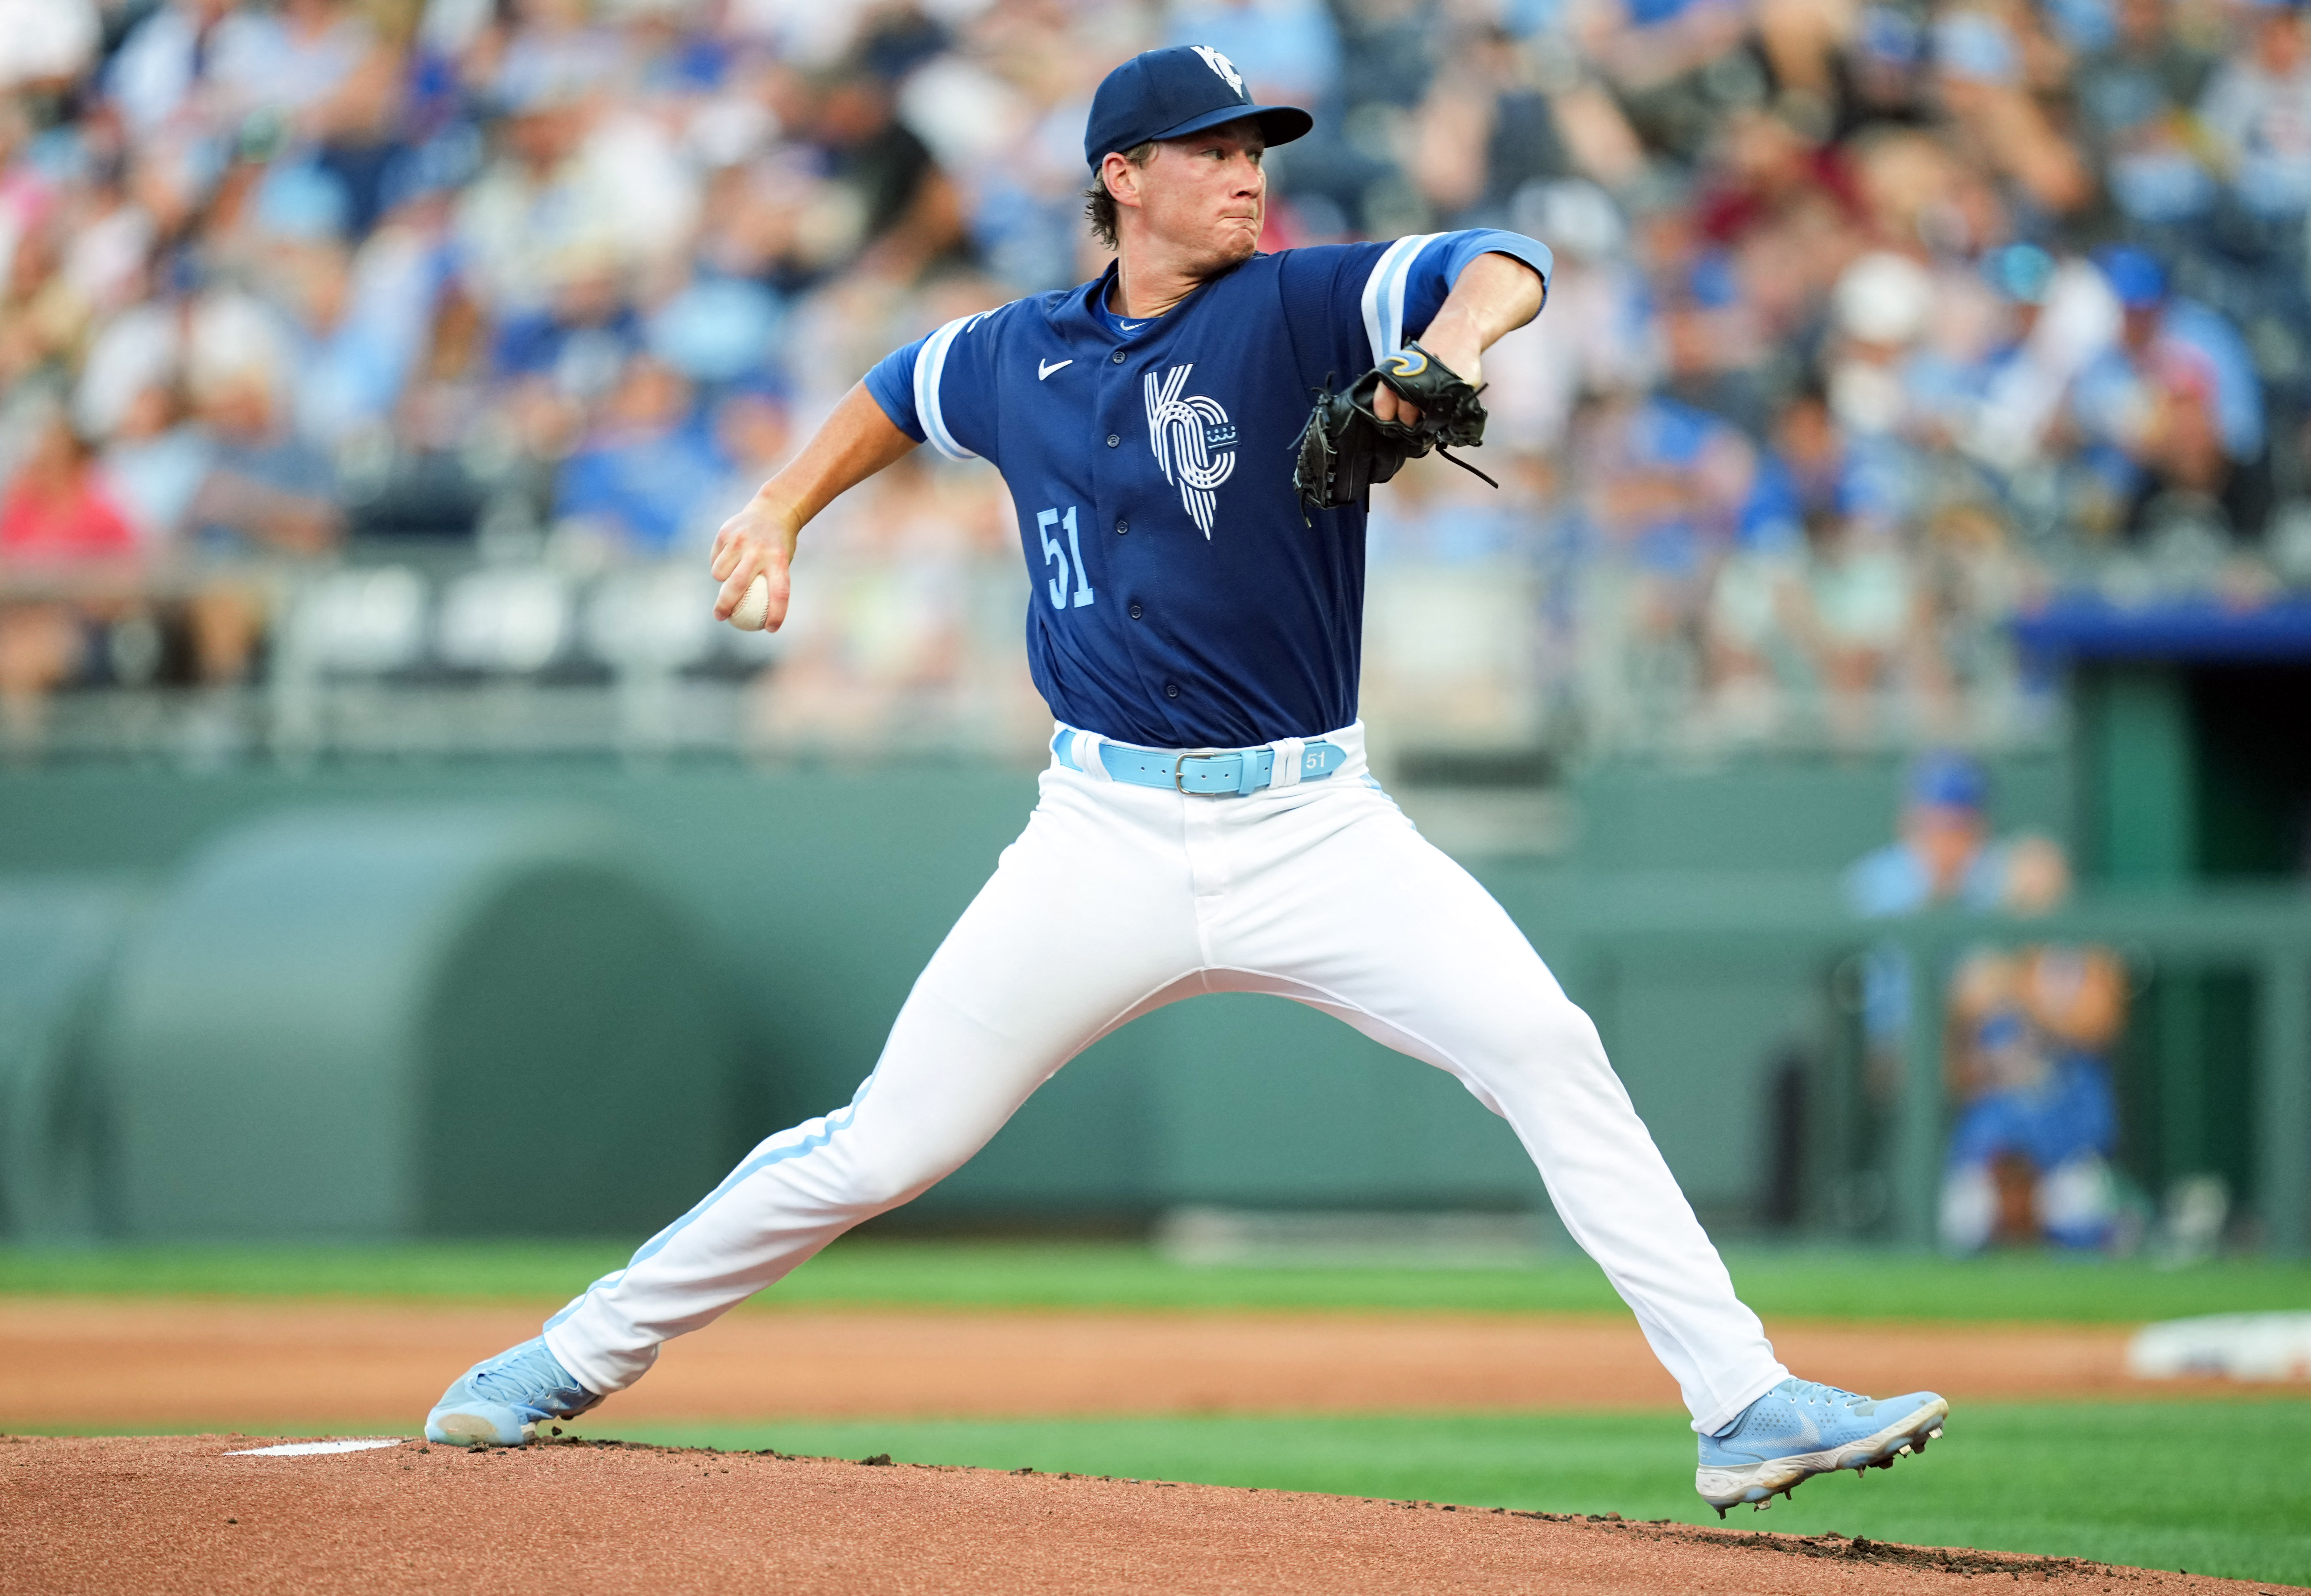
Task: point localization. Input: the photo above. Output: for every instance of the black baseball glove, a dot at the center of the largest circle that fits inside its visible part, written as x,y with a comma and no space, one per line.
1346,447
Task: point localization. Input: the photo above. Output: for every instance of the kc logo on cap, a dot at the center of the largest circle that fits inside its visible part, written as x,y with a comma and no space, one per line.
1173,93
1224,66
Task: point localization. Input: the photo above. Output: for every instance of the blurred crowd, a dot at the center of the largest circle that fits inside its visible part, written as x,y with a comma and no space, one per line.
1874,319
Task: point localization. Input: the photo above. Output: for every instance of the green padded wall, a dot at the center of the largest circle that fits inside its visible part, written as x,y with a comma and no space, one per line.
58,937
820,893
428,1019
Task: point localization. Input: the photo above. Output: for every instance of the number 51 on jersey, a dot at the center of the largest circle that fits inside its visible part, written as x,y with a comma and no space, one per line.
1053,554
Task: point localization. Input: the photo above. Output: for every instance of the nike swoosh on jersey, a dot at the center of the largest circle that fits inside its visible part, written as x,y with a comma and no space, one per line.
1043,370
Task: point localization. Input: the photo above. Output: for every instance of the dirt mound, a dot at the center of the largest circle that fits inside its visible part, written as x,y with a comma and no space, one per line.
173,1513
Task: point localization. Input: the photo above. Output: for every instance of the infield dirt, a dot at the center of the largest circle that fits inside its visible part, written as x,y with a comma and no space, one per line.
130,1516
96,1364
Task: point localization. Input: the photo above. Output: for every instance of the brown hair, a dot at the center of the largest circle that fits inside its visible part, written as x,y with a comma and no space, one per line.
1099,205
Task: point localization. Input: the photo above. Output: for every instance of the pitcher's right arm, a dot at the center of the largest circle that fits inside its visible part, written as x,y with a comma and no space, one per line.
858,440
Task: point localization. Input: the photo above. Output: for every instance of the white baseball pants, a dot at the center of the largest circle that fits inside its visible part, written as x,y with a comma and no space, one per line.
1119,899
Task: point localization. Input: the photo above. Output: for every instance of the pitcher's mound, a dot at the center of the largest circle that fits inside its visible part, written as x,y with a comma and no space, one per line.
121,1516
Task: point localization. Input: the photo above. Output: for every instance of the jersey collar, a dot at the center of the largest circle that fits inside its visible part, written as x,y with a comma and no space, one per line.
1081,317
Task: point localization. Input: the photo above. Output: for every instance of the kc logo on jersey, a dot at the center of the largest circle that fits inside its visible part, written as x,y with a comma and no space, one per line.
1193,439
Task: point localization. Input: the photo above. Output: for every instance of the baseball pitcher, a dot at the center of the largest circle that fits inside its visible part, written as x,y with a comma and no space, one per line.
1189,440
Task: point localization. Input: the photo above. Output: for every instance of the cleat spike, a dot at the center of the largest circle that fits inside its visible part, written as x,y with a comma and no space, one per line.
1720,1512
1936,1432
1902,1451
1761,1506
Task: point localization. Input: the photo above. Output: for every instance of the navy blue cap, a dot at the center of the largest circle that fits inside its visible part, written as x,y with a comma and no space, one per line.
1171,94
1947,780
2134,275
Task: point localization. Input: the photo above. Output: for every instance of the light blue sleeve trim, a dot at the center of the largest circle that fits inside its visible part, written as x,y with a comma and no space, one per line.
1383,297
1461,247
931,366
1410,282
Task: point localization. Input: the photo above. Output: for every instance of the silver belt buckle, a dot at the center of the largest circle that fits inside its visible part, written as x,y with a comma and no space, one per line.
1180,771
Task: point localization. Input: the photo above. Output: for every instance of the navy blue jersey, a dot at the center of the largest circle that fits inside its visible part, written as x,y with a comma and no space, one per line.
1178,598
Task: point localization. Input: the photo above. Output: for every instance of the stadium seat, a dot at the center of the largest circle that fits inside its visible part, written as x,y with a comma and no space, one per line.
505,620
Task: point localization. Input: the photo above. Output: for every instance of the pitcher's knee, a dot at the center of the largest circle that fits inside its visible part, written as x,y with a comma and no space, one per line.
889,1173
1553,1038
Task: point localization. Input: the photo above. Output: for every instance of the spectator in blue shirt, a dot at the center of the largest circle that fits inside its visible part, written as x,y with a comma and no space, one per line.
650,473
1945,854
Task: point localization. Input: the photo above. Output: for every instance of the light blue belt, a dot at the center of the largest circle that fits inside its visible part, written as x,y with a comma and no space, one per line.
1238,771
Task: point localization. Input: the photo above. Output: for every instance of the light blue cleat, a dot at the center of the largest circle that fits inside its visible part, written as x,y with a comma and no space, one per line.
1801,1428
499,1401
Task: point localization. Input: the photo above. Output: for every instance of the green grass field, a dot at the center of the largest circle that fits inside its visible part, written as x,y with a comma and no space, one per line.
2231,1493
2215,1487
1778,1282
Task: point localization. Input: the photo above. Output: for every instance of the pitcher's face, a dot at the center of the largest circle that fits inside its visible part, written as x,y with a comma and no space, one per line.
1206,196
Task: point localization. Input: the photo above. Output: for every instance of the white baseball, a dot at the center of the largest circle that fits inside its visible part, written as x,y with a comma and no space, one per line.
754,610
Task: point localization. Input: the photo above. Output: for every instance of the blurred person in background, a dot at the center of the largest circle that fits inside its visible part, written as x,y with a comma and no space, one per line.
1677,67
2062,316
2029,1156
2172,411
1993,61
897,207
754,433
1862,619
130,400
155,78
154,462
267,495
66,554
46,44
2256,112
1755,605
1608,341
1665,485
1881,309
1662,484
1945,854
645,479
2137,99
1781,213
1944,858
577,343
